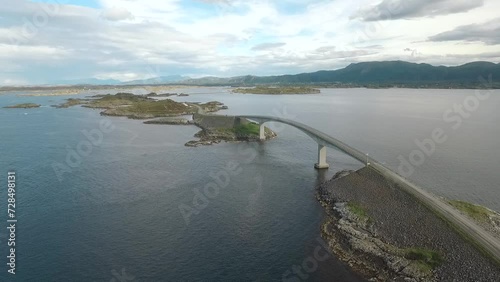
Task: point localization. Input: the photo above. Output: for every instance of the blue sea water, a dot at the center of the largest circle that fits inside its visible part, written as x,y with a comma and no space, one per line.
117,213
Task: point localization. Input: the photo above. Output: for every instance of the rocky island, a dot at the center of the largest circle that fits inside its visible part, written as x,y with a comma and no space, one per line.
23,106
226,128
139,106
385,234
277,90
215,128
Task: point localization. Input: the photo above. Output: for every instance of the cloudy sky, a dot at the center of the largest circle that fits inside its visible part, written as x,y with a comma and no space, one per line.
47,41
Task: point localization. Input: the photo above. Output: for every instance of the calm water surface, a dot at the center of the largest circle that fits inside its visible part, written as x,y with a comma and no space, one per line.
118,210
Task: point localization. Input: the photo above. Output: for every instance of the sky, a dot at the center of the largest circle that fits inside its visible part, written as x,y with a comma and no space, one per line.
50,41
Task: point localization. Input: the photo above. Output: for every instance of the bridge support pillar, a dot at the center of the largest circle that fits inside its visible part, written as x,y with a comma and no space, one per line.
321,158
262,132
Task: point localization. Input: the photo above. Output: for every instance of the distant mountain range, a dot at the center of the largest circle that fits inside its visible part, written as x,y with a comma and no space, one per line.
376,74
158,80
88,81
151,81
369,74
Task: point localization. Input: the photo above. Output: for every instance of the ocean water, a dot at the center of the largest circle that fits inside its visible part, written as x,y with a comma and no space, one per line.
127,206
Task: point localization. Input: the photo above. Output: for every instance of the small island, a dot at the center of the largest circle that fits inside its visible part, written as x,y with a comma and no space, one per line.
23,106
139,106
226,128
215,128
277,90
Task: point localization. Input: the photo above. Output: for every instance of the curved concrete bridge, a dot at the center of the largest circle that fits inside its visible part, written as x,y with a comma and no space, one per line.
321,138
481,238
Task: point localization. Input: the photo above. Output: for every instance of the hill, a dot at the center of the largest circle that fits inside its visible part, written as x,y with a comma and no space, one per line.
377,74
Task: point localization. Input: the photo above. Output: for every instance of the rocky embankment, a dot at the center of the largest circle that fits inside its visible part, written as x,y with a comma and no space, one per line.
170,121
386,235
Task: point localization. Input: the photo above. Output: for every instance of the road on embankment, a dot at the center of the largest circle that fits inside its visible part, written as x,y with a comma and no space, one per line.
481,238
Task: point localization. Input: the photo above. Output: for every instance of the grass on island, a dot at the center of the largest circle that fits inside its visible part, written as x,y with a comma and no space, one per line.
244,130
358,210
247,129
111,101
427,260
139,106
476,212
278,90
23,106
155,108
71,102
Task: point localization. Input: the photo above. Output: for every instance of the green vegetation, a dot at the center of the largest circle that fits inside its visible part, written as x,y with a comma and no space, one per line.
70,103
23,106
427,260
132,106
277,90
112,101
250,129
150,108
247,129
139,106
476,212
358,210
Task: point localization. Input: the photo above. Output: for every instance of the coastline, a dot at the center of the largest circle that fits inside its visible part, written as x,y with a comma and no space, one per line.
214,128
376,238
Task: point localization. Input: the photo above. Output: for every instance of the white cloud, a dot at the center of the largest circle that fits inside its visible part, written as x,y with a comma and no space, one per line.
405,9
123,76
488,32
126,39
268,46
117,14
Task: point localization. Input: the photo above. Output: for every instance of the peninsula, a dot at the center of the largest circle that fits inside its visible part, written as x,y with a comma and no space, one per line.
23,106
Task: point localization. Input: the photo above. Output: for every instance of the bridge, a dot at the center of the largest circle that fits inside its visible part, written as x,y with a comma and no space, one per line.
468,228
321,138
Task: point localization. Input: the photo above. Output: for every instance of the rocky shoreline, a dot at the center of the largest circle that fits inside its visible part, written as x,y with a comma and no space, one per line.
214,128
384,234
140,106
170,121
23,106
209,136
